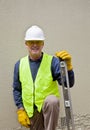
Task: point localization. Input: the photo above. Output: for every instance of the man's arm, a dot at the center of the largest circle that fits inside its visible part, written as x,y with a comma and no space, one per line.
55,68
17,91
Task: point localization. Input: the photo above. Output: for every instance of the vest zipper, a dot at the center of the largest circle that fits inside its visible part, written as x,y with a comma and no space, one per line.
33,96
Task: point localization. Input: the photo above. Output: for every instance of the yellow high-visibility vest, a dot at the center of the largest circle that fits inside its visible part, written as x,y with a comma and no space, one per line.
36,92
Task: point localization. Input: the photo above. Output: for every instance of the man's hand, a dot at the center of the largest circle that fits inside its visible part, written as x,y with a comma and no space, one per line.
23,118
64,55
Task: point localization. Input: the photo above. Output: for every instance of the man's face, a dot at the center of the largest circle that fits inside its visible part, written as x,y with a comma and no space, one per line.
35,48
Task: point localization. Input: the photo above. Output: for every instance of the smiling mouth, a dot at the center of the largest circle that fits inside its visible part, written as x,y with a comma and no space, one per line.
35,48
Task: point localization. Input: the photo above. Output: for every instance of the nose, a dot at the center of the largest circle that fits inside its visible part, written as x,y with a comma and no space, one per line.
35,44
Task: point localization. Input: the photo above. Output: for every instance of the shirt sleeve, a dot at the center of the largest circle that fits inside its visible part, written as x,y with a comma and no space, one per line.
55,68
17,92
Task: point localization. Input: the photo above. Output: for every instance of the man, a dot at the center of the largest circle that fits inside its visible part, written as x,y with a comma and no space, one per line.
35,87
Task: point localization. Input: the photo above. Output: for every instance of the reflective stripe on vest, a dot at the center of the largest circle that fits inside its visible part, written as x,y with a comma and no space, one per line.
36,92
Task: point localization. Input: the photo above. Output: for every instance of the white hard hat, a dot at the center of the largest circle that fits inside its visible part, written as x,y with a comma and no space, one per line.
34,33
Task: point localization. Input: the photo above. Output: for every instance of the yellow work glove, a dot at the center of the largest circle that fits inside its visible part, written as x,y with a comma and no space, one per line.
23,118
64,55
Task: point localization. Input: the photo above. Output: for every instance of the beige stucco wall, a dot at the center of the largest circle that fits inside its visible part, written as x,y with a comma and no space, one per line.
66,24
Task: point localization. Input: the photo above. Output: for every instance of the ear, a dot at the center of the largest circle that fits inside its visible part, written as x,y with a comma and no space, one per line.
26,44
43,43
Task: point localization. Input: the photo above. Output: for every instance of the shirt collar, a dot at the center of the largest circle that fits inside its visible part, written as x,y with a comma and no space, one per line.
38,60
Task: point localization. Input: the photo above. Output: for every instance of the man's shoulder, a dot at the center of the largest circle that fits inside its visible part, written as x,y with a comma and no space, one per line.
55,59
17,63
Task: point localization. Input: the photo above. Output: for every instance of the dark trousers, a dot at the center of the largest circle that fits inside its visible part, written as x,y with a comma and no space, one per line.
47,119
